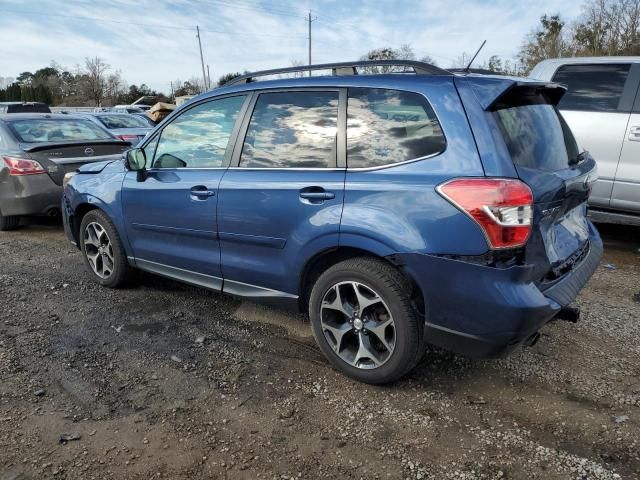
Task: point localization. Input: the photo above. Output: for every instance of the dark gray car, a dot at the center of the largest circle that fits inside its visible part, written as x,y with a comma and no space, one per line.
125,126
36,150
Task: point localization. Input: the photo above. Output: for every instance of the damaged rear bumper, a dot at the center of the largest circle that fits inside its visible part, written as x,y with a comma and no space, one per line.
483,311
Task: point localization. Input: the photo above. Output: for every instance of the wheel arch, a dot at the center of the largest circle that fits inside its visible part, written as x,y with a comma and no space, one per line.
76,220
325,259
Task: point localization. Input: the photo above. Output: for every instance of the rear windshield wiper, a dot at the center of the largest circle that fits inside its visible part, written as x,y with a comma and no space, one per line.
578,159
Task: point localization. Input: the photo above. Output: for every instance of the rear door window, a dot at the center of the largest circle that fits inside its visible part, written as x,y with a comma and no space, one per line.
390,126
292,130
592,88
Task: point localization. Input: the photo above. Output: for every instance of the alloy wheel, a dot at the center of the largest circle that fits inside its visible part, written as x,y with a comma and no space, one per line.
98,249
358,325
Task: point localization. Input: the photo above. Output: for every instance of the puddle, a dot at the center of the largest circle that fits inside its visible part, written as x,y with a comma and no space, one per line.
296,325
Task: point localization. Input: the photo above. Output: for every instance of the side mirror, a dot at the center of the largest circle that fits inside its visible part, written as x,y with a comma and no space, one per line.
136,159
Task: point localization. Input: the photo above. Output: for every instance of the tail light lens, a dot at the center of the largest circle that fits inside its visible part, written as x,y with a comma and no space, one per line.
22,166
501,207
128,138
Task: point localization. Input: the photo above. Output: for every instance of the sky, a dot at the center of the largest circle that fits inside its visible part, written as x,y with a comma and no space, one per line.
154,41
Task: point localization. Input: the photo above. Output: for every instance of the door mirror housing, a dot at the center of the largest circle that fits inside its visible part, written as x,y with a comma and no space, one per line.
136,159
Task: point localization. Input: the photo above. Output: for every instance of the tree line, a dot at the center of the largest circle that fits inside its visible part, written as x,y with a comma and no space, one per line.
93,84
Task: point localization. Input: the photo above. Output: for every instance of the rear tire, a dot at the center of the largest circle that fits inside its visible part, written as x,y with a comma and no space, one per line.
102,250
363,320
9,223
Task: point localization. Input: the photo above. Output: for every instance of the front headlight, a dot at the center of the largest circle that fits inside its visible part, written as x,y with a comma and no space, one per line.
67,176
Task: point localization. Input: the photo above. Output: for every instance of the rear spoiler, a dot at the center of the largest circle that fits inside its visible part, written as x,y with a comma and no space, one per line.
37,147
495,92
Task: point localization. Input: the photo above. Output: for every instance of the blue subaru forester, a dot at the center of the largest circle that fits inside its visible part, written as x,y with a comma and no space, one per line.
397,209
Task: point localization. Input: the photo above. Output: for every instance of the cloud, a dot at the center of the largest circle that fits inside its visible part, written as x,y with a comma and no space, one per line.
154,41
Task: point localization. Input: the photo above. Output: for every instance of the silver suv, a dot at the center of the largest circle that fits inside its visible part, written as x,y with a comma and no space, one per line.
602,107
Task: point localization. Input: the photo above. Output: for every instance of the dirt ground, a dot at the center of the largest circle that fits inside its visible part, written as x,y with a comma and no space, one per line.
164,380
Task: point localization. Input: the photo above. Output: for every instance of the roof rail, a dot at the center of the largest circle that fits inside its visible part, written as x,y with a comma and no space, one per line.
345,68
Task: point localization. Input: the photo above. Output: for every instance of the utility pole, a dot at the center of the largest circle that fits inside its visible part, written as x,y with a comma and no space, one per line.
204,75
310,20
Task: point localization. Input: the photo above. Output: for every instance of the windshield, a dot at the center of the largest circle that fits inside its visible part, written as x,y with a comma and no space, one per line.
40,130
122,121
537,137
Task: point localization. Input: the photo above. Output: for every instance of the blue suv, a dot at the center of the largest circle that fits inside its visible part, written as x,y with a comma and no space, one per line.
396,203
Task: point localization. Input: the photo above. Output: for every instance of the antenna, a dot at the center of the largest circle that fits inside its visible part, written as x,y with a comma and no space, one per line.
474,57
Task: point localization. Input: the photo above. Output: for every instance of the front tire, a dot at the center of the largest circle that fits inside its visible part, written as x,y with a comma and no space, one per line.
102,250
364,322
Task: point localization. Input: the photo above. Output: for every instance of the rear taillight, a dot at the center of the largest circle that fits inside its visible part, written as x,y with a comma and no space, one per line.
22,166
501,207
128,138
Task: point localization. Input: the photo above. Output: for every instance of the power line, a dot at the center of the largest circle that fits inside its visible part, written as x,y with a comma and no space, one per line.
152,25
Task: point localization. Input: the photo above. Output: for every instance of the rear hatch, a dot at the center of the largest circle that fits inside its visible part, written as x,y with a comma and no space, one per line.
546,157
60,158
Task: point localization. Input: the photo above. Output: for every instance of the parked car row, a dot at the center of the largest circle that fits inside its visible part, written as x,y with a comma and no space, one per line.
37,149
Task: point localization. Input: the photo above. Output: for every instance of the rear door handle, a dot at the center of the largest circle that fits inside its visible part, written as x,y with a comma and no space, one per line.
634,134
201,192
315,195
318,195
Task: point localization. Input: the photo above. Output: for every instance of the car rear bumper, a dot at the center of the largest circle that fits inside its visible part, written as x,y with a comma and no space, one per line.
29,195
484,311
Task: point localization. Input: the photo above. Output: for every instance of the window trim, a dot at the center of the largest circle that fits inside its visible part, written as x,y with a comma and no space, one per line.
403,162
338,163
232,138
629,89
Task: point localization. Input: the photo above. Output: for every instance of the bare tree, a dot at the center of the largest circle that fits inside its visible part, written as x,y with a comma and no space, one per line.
405,52
549,40
96,73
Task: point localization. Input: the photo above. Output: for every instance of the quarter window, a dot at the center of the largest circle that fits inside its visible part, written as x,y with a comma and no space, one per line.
292,129
592,88
390,126
198,138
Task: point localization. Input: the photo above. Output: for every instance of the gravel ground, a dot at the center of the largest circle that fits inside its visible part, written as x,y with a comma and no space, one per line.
163,380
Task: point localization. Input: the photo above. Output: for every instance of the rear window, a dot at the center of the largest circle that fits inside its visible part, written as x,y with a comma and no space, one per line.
537,136
390,126
36,130
122,121
592,88
28,108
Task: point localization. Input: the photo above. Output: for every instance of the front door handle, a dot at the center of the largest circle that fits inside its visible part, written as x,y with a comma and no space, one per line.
315,195
201,192
634,134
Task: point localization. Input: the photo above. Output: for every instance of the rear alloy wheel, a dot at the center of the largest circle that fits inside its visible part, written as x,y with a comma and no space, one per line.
357,324
9,223
364,322
102,250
